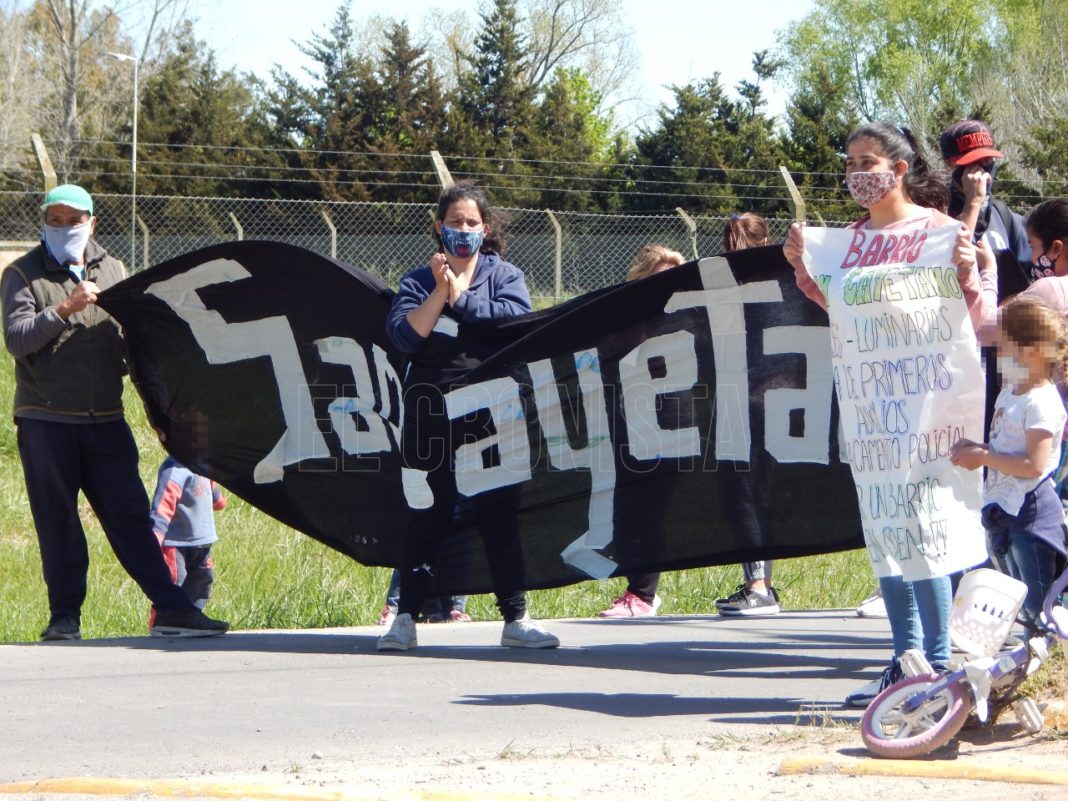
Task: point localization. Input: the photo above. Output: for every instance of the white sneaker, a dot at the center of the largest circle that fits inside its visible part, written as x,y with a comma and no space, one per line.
401,635
525,633
872,606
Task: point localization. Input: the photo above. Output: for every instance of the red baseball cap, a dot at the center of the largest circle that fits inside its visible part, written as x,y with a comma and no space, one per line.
967,142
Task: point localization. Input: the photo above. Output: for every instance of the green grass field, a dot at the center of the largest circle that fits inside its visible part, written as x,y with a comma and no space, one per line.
269,576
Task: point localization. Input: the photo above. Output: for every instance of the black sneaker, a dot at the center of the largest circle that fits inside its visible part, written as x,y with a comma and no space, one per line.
866,694
750,603
187,622
62,628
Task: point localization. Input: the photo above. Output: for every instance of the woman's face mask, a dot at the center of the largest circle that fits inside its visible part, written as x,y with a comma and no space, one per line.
868,188
461,244
67,243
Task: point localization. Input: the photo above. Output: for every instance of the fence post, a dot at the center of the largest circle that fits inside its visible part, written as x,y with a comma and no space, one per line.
558,258
237,226
796,200
692,226
333,233
47,170
444,176
144,243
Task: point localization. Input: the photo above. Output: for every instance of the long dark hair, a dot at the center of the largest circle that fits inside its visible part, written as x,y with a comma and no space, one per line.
924,186
469,190
1048,221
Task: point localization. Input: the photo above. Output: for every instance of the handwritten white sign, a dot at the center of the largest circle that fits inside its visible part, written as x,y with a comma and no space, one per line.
909,385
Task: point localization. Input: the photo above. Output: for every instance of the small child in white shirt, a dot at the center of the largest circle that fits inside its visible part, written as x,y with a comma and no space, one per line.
1022,513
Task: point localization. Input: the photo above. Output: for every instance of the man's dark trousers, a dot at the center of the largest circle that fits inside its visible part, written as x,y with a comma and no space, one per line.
100,459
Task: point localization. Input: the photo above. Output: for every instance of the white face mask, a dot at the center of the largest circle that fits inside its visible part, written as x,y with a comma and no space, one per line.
67,243
1012,371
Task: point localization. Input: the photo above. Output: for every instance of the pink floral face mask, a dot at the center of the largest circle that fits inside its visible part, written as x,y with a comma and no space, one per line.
868,188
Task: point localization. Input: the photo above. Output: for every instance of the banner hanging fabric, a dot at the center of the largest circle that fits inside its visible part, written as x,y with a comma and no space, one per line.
683,420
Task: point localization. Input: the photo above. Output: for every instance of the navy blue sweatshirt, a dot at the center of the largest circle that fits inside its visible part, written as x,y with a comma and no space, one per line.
497,291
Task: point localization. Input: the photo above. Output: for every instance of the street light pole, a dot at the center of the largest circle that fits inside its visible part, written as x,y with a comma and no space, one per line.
133,163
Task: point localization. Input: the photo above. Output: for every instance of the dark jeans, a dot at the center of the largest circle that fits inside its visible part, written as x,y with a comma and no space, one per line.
436,605
58,460
429,450
1029,545
1035,563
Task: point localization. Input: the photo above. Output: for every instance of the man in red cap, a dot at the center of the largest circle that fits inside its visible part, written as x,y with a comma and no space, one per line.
969,153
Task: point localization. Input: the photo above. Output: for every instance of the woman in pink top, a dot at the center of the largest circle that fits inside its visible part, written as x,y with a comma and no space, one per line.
889,176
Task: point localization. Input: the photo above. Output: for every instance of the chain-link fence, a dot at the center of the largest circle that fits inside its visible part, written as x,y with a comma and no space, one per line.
562,253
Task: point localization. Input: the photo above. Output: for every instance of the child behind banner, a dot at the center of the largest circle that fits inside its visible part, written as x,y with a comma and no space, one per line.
183,518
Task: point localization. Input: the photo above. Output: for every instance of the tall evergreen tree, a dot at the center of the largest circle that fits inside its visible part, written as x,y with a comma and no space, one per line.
332,121
819,119
410,118
489,123
569,139
711,153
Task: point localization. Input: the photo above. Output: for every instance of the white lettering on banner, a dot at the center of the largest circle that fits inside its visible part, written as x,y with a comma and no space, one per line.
597,455
724,300
387,377
814,400
641,391
417,490
474,470
224,342
377,438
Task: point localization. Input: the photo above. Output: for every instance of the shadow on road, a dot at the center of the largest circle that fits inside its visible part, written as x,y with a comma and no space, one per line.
780,655
652,705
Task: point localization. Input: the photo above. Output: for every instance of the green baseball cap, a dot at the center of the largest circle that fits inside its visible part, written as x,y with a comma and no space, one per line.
69,195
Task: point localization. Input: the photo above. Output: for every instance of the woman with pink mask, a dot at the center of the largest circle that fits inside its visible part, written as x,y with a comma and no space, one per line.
887,173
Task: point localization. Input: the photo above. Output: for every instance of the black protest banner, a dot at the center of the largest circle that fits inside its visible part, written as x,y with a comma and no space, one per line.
683,420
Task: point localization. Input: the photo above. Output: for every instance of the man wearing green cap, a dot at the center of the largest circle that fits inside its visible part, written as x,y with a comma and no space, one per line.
71,431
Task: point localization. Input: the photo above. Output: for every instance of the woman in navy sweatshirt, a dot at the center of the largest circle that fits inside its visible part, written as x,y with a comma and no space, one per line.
466,282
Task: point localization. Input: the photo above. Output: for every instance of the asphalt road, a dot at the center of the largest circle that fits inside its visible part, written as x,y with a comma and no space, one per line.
264,700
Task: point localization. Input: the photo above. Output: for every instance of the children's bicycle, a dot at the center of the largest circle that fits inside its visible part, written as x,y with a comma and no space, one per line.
925,710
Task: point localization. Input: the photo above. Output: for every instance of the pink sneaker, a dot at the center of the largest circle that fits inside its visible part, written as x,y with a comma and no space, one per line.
385,617
630,605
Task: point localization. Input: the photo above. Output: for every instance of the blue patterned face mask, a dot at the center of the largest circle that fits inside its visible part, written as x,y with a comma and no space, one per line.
461,244
67,244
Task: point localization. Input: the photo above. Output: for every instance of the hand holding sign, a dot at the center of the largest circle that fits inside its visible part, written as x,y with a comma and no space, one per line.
967,454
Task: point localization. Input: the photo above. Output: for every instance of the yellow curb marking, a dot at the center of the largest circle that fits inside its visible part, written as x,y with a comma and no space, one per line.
923,770
181,788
